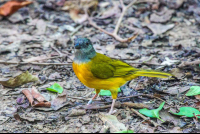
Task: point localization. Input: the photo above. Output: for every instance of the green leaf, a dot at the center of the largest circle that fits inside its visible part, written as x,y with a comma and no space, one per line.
55,88
188,112
152,113
107,92
125,131
194,90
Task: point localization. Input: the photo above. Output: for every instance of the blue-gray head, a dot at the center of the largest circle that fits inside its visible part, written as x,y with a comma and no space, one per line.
84,50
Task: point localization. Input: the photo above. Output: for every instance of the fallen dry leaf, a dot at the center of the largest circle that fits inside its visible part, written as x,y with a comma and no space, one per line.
197,97
176,130
59,101
78,18
19,80
41,27
144,128
166,116
12,6
17,117
41,102
114,10
76,112
162,16
175,4
176,89
177,73
135,105
159,28
34,59
37,95
31,117
96,106
169,62
29,96
112,122
77,9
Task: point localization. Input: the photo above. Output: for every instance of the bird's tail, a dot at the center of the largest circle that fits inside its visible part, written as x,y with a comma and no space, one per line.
152,73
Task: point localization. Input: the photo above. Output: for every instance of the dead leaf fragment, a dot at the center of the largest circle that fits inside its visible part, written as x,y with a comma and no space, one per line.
43,104
96,106
16,116
37,95
78,18
59,101
177,73
19,80
114,10
112,122
161,17
197,97
41,101
77,8
41,27
29,96
12,6
159,28
76,112
176,89
145,129
174,4
135,105
166,116
85,119
176,130
34,59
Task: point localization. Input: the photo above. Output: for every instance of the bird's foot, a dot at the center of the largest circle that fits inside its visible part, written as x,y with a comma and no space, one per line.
112,112
89,102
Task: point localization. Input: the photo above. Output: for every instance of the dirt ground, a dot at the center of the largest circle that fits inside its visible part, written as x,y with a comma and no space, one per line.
40,36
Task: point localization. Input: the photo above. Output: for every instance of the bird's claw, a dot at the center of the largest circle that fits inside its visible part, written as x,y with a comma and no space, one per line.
112,112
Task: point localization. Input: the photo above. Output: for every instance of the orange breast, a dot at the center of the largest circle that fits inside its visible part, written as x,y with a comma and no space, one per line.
84,74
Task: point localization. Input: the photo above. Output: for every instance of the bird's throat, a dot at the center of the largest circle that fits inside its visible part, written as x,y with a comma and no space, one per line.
84,56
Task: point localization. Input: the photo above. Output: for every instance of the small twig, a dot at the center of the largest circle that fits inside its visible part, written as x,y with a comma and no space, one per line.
114,34
195,116
76,30
141,95
33,63
5,121
186,63
104,129
143,117
47,58
145,63
124,9
70,63
90,107
153,97
150,58
61,54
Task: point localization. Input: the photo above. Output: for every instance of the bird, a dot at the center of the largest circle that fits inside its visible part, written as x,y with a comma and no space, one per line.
98,71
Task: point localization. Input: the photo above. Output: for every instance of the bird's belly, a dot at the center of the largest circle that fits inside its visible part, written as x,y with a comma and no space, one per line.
84,74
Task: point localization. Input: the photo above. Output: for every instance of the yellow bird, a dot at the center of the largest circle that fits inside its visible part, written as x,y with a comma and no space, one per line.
98,71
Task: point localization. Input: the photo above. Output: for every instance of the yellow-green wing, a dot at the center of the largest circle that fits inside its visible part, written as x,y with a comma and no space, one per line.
104,67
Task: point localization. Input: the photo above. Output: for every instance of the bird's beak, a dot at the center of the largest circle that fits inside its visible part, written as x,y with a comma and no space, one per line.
77,46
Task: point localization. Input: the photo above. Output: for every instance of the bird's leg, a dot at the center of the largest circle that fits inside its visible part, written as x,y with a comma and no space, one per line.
112,107
92,99
97,92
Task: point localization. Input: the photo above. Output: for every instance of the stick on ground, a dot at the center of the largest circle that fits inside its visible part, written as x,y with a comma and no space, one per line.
143,117
114,34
